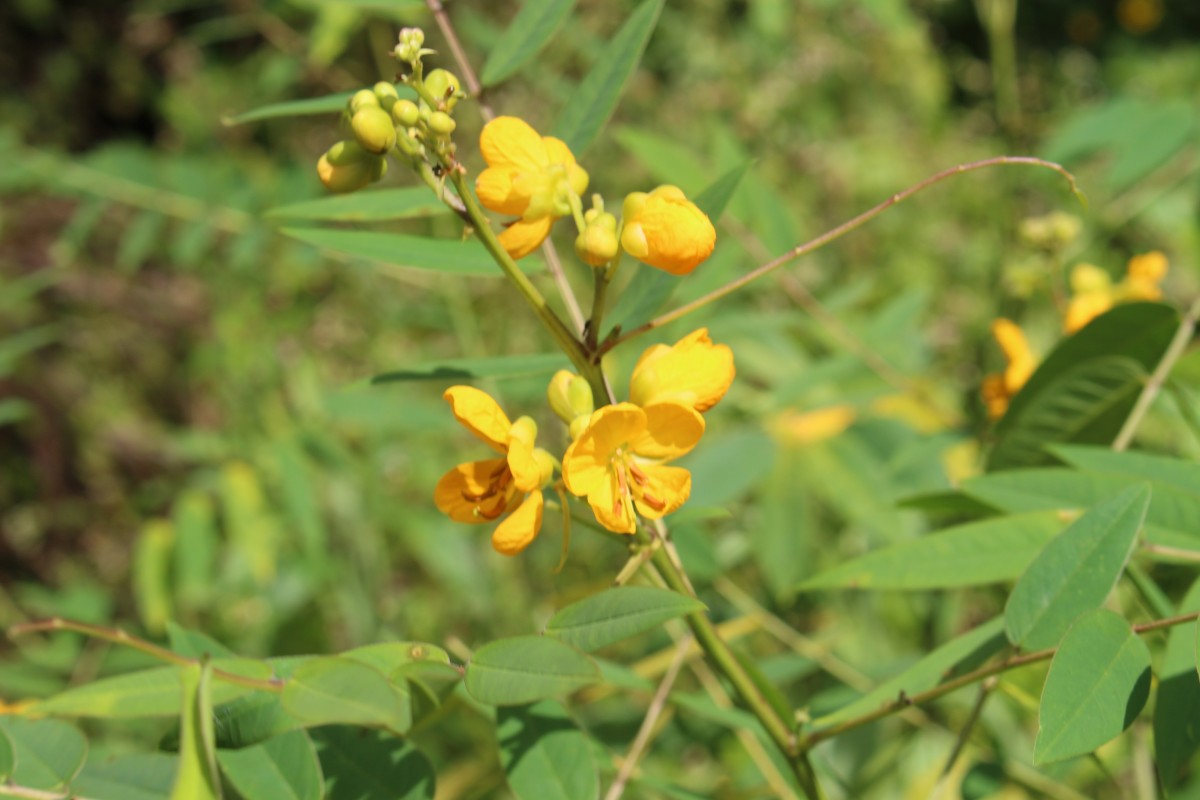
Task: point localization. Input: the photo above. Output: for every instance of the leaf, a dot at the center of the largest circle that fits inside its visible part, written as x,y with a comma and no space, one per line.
1075,571
594,100
283,768
959,654
371,765
1177,705
1161,471
194,644
196,544
544,755
524,669
152,574
465,369
378,205
329,104
1098,682
616,614
752,450
989,551
1088,384
197,777
8,759
402,250
259,716
387,657
531,29
147,693
46,753
139,776
651,288
336,690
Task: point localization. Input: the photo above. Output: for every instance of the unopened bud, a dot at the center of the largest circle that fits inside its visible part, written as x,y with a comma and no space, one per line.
409,48
405,113
363,98
374,130
383,90
1088,278
524,430
344,178
444,86
597,244
570,396
441,123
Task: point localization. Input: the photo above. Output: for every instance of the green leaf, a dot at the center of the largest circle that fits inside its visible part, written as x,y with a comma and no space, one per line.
387,657
594,100
259,716
989,551
524,669
958,655
531,29
194,644
336,690
1177,706
152,574
139,776
616,614
329,104
8,759
283,768
148,693
196,544
46,753
1075,571
1161,471
544,755
1083,391
402,250
465,369
651,288
1098,682
197,777
377,205
371,765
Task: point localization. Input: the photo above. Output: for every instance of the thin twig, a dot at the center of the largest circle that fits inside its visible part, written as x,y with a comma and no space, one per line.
832,235
649,723
960,741
1179,343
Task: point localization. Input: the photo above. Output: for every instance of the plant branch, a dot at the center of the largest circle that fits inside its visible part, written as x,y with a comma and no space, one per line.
1179,343
832,235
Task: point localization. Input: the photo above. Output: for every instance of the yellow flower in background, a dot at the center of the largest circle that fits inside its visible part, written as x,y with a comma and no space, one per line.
619,462
803,428
666,230
1143,275
1093,292
998,389
483,491
529,176
693,371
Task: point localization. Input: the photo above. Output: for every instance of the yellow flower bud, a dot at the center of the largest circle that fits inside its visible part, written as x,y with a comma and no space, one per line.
524,430
1087,278
346,167
374,130
441,123
570,396
384,90
597,244
406,113
666,230
444,86
363,98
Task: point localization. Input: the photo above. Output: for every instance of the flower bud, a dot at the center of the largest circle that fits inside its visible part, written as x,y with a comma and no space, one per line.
345,178
374,130
524,430
666,230
441,123
363,98
597,244
1086,278
570,396
409,48
405,113
384,90
445,87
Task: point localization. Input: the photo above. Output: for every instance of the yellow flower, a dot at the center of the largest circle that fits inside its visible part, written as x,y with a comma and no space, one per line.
530,176
693,371
1143,275
998,389
811,427
1092,295
483,491
666,230
619,462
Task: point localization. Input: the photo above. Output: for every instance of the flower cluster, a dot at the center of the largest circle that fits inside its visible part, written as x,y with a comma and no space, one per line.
619,455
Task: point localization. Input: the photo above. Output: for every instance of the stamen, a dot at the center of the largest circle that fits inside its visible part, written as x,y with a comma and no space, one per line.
653,502
639,476
622,489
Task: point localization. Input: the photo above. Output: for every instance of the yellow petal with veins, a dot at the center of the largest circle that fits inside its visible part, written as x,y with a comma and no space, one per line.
611,506
587,460
667,489
454,491
524,236
693,371
509,141
672,429
521,527
480,414
499,191
526,471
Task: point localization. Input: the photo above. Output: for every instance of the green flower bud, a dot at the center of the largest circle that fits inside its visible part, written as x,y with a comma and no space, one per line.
405,113
570,396
374,130
345,153
363,98
345,177
444,86
441,123
597,244
384,90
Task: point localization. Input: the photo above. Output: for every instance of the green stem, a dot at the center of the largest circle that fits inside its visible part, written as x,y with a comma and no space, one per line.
831,235
726,662
599,297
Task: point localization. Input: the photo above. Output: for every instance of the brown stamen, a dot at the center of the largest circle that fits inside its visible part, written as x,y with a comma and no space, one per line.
653,502
639,476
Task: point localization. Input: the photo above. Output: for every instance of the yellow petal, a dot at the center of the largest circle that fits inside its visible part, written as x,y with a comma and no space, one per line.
587,460
693,371
612,509
557,151
672,429
499,191
526,471
1020,357
669,232
454,491
480,414
508,141
521,527
1150,267
1083,308
814,426
667,489
524,236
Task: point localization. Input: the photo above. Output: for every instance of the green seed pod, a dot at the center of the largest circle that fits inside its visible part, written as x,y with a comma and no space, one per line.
343,178
346,152
374,130
445,86
363,98
441,123
383,90
405,113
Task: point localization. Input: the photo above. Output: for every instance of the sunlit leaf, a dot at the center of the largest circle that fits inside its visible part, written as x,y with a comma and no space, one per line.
138,776
544,755
197,777
524,669
46,753
616,614
376,205
283,768
337,690
448,256
531,29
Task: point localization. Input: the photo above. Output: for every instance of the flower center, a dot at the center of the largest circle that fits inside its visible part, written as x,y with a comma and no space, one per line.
491,502
633,484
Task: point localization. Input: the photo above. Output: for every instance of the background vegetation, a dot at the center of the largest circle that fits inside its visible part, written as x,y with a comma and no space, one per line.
186,433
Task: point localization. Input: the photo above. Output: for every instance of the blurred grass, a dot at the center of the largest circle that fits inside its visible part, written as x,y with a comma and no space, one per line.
172,364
